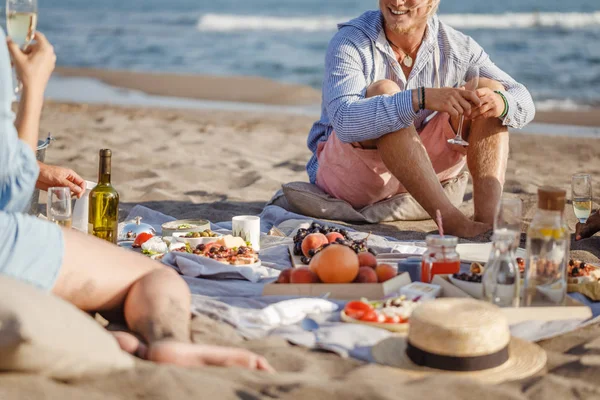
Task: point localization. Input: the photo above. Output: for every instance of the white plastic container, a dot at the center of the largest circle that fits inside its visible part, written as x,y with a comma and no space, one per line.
81,209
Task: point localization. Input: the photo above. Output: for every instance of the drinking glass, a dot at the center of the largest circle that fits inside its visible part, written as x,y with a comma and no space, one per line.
581,191
508,218
21,22
59,206
471,83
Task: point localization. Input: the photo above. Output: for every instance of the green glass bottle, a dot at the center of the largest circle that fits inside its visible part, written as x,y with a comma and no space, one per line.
104,203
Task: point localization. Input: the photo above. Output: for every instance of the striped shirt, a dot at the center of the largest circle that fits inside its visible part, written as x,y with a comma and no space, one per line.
359,55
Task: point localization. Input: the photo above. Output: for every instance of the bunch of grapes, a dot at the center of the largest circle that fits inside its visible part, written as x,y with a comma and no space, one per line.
358,246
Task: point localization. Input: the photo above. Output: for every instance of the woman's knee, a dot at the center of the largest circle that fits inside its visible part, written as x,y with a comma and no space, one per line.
384,86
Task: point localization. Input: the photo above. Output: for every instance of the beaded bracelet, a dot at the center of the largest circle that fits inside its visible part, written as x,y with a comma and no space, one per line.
423,97
505,103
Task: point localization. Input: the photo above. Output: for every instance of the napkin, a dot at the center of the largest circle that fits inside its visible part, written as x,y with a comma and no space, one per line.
203,267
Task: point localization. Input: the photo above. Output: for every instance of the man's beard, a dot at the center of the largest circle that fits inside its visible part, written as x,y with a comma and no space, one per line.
402,30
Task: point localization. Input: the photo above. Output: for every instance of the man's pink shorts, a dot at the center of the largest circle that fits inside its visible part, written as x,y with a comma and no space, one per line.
360,177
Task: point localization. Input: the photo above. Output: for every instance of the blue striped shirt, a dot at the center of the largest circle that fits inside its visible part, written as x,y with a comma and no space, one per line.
352,65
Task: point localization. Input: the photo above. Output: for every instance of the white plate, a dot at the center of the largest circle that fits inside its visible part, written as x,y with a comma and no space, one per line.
180,237
480,252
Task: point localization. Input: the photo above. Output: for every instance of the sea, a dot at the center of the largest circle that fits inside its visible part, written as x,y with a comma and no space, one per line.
551,46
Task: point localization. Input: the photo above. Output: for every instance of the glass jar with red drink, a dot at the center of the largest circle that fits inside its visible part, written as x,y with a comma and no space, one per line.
441,257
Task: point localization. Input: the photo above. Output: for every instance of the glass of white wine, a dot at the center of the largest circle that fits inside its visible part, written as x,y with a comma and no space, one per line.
470,83
59,206
581,191
21,23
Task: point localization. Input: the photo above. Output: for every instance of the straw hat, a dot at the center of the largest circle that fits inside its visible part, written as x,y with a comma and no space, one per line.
465,337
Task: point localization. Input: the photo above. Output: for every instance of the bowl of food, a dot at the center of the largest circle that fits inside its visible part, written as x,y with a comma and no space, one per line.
184,226
196,238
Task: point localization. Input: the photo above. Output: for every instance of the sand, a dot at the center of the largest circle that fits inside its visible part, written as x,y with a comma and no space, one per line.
217,164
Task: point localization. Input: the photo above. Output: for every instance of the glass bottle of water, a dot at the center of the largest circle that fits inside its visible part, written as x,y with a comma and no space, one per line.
548,242
501,278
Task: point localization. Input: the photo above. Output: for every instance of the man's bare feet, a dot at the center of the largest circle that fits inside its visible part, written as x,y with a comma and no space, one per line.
461,226
590,228
195,355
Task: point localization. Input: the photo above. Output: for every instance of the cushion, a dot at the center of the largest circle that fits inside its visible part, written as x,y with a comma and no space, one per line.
40,333
308,199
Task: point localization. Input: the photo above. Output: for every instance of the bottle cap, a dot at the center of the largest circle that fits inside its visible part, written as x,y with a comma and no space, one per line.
551,198
105,153
445,241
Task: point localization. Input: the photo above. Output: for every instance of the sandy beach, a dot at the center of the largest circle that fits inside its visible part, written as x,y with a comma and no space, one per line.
217,164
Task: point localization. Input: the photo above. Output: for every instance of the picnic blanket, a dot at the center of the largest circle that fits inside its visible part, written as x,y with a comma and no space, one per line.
239,300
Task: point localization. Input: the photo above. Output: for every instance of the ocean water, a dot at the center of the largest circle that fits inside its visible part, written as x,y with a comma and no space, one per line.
551,46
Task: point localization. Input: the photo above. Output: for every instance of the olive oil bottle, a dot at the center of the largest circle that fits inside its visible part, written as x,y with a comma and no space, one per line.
103,217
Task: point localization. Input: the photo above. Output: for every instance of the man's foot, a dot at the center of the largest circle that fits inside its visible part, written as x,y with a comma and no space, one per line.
463,227
590,228
195,355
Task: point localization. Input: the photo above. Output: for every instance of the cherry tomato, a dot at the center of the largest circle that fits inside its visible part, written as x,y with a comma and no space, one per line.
392,319
371,316
141,239
357,309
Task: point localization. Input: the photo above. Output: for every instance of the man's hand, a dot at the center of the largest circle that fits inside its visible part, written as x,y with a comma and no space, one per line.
452,101
35,64
492,104
590,228
53,176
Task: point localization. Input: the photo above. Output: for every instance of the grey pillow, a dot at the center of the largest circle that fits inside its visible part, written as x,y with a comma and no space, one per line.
307,199
42,334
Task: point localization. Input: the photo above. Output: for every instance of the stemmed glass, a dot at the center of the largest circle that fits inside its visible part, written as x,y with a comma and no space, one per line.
59,206
21,22
581,191
470,83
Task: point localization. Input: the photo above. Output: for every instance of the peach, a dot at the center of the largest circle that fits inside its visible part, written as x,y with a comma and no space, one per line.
366,275
385,272
284,276
303,275
313,242
335,264
367,259
333,236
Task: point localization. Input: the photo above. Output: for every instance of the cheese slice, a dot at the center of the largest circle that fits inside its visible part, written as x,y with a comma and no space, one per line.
230,241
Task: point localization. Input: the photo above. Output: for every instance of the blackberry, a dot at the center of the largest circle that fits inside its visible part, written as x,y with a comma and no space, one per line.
305,260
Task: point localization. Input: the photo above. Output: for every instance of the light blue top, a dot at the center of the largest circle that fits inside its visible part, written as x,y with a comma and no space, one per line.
18,166
31,250
359,55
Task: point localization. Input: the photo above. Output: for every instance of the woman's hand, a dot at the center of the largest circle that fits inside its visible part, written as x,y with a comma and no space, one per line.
35,64
455,102
53,176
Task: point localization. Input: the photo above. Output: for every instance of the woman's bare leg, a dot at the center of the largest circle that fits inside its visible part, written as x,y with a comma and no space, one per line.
98,276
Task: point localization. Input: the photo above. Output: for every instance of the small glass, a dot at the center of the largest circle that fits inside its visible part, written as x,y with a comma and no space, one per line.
441,257
581,196
501,278
59,206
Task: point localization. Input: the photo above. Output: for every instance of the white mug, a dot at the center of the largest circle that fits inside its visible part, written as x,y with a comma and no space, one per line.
248,228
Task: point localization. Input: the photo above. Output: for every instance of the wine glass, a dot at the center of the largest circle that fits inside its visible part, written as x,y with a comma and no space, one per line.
581,191
59,206
21,22
508,218
471,83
